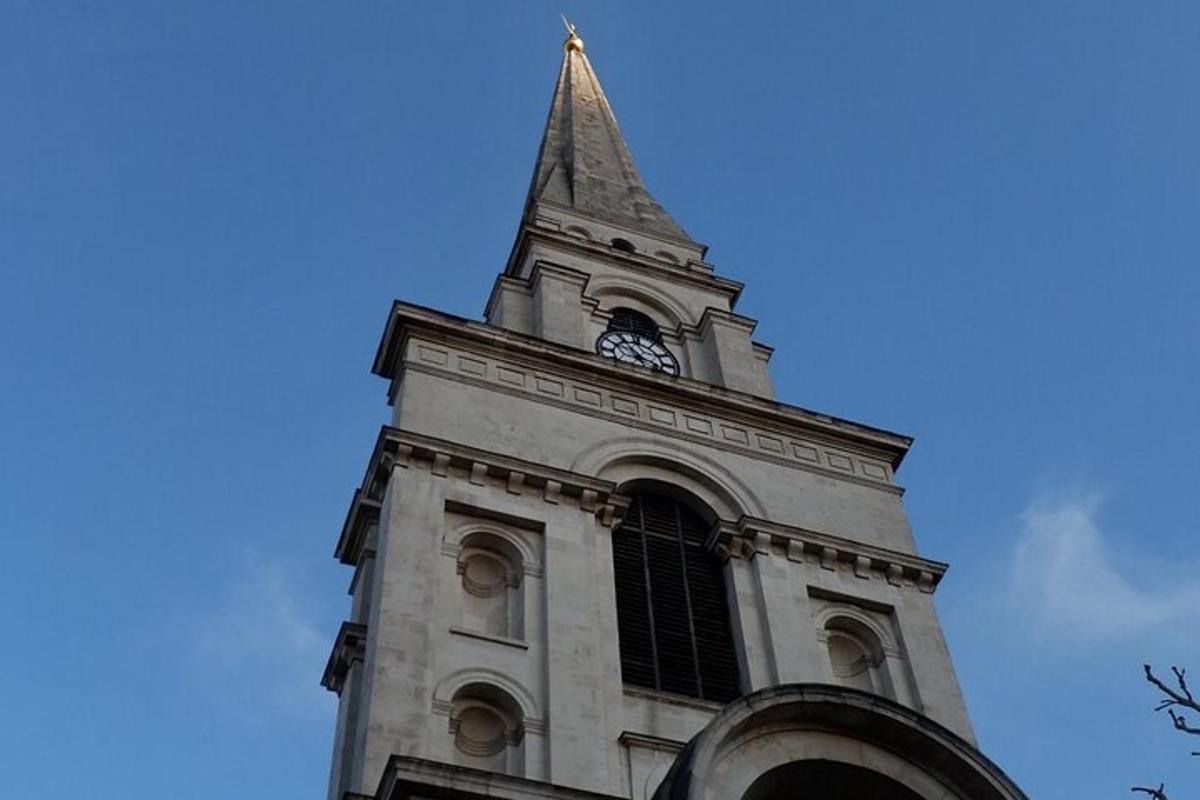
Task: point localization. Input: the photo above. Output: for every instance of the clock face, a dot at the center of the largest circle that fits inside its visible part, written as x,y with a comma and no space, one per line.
637,349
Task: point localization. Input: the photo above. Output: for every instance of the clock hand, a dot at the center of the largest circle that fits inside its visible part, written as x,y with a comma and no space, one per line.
637,354
629,351
650,363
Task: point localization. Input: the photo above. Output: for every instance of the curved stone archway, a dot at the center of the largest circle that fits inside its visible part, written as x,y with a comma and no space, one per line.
638,457
803,741
615,291
818,779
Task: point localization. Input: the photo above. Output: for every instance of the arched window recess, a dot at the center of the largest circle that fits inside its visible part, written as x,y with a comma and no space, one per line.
487,727
673,614
491,571
856,655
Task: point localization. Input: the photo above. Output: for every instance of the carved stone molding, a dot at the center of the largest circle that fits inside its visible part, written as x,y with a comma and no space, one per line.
405,776
749,537
348,647
399,449
648,742
485,346
607,399
362,515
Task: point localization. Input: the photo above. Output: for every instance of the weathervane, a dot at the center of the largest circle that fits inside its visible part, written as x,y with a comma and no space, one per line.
573,41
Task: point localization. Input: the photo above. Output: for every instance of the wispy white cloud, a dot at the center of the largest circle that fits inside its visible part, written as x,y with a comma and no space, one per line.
1066,579
262,648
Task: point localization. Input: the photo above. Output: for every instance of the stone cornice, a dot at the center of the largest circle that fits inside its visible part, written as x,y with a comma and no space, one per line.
715,316
544,221
363,512
831,459
406,319
745,538
502,280
396,448
749,537
348,647
409,778
548,269
543,268
648,742
700,276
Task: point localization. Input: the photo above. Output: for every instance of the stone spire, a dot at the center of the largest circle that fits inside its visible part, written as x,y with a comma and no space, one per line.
584,164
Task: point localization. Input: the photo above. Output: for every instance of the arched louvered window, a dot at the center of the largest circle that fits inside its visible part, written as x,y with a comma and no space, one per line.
627,319
672,612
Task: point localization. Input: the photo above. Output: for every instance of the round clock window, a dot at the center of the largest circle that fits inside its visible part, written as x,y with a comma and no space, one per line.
632,338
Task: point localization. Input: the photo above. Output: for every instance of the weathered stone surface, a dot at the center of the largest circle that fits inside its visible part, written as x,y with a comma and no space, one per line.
482,656
584,164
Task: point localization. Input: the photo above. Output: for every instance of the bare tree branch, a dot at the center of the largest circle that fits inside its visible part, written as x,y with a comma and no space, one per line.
1155,794
1179,696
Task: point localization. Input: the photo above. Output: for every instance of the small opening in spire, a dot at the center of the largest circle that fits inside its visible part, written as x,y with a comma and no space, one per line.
624,245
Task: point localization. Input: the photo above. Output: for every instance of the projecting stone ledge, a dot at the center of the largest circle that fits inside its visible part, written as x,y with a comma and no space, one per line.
749,537
399,449
408,778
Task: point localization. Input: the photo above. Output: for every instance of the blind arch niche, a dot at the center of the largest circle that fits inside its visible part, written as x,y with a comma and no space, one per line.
673,615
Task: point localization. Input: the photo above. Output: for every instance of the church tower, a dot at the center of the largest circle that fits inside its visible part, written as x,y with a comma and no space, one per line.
595,558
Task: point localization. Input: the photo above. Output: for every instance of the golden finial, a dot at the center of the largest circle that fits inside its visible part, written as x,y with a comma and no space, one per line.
573,41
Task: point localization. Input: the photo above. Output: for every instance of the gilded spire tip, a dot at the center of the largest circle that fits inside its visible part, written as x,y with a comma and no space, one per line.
573,42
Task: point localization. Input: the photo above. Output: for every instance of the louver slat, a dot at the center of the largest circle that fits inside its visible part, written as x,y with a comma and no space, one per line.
676,662
633,611
672,612
717,660
626,319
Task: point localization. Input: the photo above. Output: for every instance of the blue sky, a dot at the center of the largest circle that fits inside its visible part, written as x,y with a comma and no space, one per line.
975,223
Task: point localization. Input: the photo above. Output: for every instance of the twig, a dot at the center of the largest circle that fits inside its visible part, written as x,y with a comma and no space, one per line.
1179,696
1155,794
